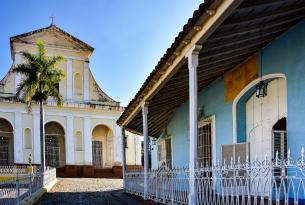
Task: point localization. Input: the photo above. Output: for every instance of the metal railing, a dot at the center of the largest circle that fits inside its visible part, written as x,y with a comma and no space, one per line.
18,184
277,181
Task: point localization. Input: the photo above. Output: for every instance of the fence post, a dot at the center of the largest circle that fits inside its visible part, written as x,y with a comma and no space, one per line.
17,189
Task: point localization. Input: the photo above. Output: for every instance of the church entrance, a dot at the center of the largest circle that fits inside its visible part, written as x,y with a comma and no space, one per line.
55,145
6,143
102,147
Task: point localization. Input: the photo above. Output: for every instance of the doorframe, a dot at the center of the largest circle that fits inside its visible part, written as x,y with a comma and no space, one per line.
243,91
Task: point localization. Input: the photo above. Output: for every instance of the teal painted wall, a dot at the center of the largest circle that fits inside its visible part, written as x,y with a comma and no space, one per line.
285,54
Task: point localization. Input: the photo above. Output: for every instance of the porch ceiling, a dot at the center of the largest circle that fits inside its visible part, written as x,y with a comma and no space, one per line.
251,26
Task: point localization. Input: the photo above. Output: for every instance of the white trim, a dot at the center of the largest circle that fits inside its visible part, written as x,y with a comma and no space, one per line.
18,141
69,79
87,141
241,93
86,94
36,137
21,110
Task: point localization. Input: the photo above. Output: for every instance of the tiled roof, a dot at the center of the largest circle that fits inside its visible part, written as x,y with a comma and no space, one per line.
169,52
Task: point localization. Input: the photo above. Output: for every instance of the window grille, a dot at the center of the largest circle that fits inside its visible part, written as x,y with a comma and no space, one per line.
52,151
4,149
204,148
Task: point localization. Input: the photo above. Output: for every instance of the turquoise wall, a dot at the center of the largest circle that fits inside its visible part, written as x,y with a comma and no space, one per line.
285,54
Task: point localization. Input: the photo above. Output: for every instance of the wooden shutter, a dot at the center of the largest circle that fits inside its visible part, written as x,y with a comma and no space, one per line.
241,152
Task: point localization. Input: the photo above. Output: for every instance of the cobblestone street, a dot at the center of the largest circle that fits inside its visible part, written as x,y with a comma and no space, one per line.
87,191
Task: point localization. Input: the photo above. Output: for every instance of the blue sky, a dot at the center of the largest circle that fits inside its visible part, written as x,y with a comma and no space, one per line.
129,36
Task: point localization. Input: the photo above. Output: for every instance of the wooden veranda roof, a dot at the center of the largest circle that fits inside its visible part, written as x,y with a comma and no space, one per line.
250,26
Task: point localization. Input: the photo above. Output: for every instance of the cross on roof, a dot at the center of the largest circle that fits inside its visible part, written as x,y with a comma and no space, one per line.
52,18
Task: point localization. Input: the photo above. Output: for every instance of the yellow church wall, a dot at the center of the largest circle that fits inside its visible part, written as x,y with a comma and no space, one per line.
78,69
52,51
130,150
92,89
107,122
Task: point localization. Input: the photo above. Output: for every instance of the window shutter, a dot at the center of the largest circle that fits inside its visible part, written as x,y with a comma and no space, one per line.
227,153
241,152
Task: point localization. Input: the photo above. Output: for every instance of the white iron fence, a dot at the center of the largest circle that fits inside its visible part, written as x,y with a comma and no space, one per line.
261,182
19,182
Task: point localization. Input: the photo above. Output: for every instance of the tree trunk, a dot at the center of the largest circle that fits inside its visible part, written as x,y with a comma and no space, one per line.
42,140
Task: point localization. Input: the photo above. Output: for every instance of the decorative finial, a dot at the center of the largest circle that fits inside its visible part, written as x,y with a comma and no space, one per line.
52,20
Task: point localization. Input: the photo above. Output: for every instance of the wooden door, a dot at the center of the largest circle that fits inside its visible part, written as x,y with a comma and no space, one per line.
97,154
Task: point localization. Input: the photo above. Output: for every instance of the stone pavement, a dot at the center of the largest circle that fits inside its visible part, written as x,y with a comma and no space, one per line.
87,191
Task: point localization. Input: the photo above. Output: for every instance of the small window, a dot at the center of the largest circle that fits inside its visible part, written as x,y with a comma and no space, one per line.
78,84
27,138
78,141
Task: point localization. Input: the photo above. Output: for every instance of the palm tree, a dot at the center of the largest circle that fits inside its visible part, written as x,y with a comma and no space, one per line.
41,78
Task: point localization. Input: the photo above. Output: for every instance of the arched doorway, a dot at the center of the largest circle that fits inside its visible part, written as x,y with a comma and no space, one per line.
55,145
6,142
261,116
102,148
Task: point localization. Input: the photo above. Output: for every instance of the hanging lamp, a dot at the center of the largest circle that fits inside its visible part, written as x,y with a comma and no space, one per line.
261,87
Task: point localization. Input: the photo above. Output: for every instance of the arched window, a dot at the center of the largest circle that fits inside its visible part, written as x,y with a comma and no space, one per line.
78,141
27,138
78,84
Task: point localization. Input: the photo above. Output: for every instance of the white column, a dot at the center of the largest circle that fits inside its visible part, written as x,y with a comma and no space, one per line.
117,144
18,141
87,141
36,137
69,79
17,75
86,81
70,159
123,156
192,56
146,141
138,150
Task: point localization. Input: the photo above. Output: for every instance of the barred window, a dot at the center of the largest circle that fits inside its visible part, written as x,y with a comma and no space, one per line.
205,144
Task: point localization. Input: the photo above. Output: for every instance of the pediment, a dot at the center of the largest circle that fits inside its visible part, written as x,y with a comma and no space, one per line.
52,36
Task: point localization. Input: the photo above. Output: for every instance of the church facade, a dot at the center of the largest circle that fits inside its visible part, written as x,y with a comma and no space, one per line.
83,132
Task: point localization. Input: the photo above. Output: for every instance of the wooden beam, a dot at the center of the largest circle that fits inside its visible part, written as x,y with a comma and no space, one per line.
229,33
268,14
